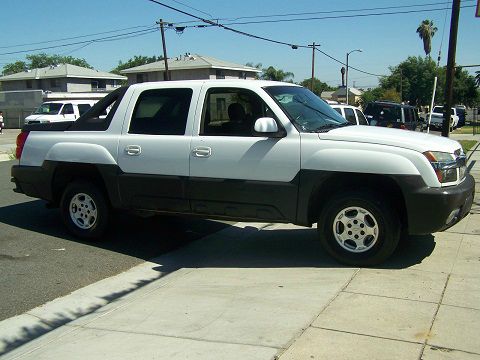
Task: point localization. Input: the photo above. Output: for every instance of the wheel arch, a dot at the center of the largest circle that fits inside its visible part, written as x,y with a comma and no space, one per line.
328,187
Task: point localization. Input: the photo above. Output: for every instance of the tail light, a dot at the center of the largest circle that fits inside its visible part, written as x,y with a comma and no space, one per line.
21,139
403,127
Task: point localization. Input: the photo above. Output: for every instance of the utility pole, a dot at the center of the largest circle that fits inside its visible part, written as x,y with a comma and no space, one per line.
313,65
401,86
165,59
452,47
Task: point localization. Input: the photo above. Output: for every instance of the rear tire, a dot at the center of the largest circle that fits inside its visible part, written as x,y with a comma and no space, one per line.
359,228
84,210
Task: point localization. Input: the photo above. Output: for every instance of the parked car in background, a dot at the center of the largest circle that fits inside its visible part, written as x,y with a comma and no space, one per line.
393,115
55,111
461,113
438,111
353,114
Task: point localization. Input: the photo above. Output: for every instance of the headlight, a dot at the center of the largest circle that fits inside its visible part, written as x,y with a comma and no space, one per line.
445,165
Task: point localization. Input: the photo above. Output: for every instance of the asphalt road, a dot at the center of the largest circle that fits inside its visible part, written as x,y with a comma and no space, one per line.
40,261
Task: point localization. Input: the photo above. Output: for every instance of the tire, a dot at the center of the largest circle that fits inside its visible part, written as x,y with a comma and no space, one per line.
373,221
84,210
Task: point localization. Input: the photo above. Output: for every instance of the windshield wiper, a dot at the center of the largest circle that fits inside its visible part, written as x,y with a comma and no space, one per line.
328,127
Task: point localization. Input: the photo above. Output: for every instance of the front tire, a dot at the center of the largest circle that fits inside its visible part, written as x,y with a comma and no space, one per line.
359,228
84,210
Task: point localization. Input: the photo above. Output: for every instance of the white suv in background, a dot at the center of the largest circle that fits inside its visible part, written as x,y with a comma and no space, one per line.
353,114
62,110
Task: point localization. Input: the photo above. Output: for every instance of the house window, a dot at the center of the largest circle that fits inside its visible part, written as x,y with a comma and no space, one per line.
54,83
29,84
242,75
220,74
94,85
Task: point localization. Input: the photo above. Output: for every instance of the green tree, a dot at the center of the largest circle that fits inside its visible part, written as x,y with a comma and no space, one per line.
273,74
464,87
35,61
371,95
426,31
43,60
416,75
15,67
318,86
391,95
137,60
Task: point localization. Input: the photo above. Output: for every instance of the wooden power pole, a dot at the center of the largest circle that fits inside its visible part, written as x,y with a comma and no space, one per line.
165,58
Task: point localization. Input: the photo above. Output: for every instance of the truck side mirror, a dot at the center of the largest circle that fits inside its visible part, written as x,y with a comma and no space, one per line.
267,126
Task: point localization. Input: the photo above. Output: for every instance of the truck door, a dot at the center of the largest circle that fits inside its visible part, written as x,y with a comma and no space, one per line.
234,173
68,112
154,149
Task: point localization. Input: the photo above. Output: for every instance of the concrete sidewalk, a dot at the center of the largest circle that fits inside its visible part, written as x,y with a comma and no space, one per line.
268,291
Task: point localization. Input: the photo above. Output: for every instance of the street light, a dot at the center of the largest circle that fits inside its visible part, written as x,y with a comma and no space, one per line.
346,71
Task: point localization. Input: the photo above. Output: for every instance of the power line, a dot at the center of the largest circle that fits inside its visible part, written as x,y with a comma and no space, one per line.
203,12
337,16
104,39
349,66
76,37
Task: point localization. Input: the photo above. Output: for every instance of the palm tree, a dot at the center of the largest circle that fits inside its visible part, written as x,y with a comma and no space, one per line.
426,31
271,73
477,78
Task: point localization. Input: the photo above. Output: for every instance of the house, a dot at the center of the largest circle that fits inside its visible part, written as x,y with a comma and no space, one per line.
190,67
353,95
62,78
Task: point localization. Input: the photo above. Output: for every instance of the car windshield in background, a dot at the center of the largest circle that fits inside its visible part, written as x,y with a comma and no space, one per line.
48,109
305,109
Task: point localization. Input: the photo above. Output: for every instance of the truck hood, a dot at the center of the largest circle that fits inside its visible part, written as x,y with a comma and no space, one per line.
392,137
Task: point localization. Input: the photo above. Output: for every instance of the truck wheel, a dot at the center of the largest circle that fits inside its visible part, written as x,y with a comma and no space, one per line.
84,210
359,228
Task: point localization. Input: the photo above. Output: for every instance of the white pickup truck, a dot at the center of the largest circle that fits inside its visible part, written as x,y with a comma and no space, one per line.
245,150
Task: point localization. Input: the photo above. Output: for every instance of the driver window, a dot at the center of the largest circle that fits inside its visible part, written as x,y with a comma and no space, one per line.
232,112
67,109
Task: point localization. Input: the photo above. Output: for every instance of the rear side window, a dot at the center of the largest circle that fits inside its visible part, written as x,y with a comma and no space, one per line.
83,108
350,116
409,116
384,112
338,110
361,118
95,119
161,112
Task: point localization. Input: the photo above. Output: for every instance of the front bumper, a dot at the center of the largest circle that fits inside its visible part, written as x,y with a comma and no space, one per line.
435,209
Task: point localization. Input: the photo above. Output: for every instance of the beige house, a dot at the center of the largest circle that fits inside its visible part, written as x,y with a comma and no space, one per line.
62,78
353,95
190,67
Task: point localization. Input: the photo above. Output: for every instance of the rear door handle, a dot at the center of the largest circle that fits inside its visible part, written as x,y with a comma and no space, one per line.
202,152
133,150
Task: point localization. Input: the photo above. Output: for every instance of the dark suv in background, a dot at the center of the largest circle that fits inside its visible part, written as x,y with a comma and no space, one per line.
393,115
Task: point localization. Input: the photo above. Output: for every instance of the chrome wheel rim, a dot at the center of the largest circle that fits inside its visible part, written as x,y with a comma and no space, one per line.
355,229
83,211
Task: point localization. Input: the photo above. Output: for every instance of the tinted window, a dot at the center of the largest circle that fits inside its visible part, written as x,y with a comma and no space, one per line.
161,112
409,117
361,118
350,116
232,112
67,109
338,110
384,112
93,119
83,108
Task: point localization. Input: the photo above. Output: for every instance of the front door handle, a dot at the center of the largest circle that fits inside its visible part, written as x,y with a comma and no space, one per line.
133,150
202,152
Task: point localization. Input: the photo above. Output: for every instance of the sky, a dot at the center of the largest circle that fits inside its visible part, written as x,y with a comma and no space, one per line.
385,40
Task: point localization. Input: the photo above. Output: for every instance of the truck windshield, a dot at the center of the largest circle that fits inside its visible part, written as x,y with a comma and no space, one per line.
48,109
306,110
